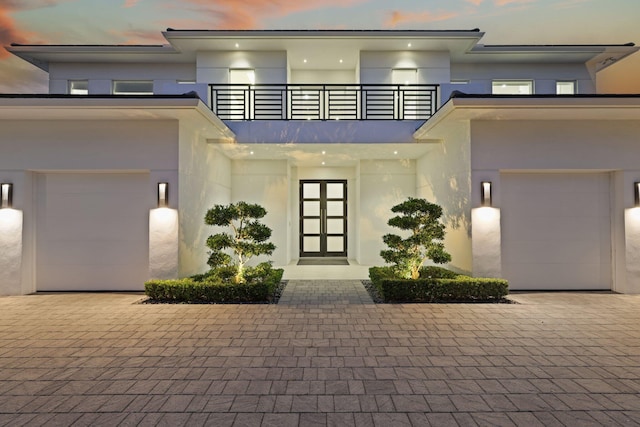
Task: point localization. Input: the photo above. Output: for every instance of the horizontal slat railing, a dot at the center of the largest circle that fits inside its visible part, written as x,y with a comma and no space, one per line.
323,102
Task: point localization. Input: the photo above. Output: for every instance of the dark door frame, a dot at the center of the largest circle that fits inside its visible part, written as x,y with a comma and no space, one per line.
323,235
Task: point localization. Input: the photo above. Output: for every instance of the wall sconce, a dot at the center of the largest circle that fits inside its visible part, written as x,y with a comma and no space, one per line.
485,193
636,193
163,194
6,195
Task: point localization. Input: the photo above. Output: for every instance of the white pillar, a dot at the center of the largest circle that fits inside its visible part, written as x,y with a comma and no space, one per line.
163,243
486,242
10,252
632,250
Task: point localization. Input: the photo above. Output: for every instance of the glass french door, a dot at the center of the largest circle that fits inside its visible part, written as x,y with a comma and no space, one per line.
323,218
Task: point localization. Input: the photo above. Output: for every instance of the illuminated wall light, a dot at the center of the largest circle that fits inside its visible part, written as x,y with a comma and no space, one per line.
237,45
636,193
485,193
6,195
163,194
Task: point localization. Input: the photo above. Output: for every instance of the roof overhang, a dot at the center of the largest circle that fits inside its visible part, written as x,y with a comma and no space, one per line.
535,107
186,109
597,56
42,55
323,48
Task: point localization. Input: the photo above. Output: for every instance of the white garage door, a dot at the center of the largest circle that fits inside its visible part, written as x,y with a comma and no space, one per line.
556,231
92,231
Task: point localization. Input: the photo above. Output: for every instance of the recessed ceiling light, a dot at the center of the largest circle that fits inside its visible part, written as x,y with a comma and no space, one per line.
304,60
324,152
395,152
251,152
322,163
237,45
408,44
341,61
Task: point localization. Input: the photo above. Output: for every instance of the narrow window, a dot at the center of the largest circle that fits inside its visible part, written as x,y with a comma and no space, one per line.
404,76
243,76
565,88
512,87
130,87
79,87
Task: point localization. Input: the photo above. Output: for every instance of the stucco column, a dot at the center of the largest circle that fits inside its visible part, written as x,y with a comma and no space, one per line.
486,242
11,250
163,243
632,250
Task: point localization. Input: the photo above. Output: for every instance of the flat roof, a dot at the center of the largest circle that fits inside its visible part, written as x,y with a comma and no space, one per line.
463,45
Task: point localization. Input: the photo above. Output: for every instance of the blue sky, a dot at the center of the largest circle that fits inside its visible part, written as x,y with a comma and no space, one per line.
141,21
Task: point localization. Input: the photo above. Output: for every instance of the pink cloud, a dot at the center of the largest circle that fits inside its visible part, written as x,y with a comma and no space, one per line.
130,3
133,36
508,2
248,14
475,2
397,17
9,33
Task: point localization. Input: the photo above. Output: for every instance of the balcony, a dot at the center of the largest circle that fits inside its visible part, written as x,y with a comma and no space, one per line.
323,102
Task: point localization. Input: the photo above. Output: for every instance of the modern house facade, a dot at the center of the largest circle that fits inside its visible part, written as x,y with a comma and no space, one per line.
112,171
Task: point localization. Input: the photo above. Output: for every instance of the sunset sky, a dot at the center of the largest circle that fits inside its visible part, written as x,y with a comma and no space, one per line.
141,22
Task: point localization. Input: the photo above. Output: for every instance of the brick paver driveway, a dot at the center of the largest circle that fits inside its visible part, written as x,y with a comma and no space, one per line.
100,359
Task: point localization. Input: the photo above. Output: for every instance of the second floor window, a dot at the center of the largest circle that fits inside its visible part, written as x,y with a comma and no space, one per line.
565,88
244,76
404,76
78,87
512,87
130,87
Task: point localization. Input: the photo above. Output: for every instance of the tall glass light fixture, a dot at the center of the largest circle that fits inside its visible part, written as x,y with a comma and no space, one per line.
163,194
485,193
6,195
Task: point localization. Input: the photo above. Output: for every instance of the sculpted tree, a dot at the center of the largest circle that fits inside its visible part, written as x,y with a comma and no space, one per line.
248,237
422,219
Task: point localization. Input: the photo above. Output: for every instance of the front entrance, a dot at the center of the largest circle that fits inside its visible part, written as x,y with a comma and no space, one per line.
323,218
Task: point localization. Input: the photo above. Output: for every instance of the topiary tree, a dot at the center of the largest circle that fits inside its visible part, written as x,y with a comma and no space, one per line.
422,219
248,238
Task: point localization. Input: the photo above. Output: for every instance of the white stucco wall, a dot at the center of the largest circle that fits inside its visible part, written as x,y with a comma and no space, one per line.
205,180
31,146
555,144
383,184
323,76
331,131
269,66
443,177
266,182
101,75
570,146
480,75
432,66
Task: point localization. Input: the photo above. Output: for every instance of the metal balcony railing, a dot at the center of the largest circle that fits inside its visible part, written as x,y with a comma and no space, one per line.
323,102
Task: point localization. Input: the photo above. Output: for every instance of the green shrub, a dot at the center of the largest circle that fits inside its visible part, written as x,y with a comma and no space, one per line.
425,242
209,288
443,286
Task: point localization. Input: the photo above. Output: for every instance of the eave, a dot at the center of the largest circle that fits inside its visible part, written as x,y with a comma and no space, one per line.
185,108
464,107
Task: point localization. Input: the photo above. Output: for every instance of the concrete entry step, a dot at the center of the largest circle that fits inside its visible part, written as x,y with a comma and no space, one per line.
324,292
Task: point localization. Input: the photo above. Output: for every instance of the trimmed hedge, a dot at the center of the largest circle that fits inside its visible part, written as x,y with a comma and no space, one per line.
437,284
210,289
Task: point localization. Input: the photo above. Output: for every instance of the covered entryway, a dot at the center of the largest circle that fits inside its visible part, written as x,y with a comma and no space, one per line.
323,218
556,231
92,231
